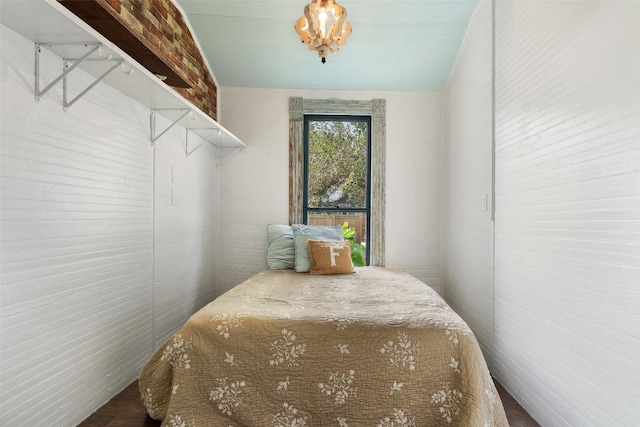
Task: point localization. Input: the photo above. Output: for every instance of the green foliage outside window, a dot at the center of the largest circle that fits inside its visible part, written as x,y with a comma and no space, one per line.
358,251
337,164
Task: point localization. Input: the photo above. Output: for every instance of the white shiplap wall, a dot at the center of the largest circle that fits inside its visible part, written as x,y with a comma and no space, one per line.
79,248
467,250
186,233
567,243
77,230
255,181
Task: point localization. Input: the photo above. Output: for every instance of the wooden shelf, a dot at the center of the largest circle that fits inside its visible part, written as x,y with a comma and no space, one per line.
54,27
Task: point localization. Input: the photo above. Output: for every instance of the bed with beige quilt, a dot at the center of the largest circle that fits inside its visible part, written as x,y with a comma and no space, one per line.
374,348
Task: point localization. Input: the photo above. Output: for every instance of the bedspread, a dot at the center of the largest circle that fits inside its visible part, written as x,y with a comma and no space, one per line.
373,348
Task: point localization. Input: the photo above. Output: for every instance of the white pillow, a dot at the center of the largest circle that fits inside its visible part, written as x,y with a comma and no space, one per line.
280,249
302,233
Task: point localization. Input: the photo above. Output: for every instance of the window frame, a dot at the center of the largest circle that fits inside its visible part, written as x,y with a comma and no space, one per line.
366,209
375,108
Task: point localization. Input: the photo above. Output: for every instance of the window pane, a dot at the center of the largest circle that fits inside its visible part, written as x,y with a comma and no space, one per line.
357,230
337,164
357,220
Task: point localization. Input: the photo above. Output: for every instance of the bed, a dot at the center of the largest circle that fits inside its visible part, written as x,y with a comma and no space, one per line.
373,348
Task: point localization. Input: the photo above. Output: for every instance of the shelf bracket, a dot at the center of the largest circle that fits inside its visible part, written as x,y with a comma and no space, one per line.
221,160
154,135
186,147
70,64
92,48
217,131
66,104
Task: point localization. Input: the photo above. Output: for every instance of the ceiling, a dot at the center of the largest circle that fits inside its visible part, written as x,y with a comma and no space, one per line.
400,45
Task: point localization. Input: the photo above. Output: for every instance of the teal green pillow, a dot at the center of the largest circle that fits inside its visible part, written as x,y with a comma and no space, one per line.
280,249
302,233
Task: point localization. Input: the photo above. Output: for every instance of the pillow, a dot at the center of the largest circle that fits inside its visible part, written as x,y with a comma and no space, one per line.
302,233
280,249
330,257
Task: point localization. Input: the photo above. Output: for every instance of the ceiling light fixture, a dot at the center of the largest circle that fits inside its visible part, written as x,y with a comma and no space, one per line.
323,27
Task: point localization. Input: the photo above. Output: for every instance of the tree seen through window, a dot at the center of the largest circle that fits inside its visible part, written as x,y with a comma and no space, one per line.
337,164
337,176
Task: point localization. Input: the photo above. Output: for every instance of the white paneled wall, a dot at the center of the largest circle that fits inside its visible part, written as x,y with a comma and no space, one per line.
186,232
77,210
80,299
255,181
467,249
566,284
414,185
567,243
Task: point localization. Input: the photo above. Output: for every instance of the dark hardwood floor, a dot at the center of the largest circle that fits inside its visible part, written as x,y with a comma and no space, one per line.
516,415
126,410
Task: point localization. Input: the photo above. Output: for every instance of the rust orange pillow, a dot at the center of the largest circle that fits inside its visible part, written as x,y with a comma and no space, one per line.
330,257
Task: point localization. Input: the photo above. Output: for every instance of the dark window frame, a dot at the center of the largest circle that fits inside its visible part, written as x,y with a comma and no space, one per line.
305,196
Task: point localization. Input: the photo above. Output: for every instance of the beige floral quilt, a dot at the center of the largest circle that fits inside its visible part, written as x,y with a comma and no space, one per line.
377,348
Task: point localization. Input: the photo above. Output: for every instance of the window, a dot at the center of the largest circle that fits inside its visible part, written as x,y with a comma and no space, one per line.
376,111
337,173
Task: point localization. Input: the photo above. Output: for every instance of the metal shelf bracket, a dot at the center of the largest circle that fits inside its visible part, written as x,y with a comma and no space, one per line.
70,64
154,135
216,131
222,159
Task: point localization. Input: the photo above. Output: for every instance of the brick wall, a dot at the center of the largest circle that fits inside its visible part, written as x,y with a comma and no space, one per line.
159,25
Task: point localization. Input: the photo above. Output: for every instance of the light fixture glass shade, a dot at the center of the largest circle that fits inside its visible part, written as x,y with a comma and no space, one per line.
323,27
